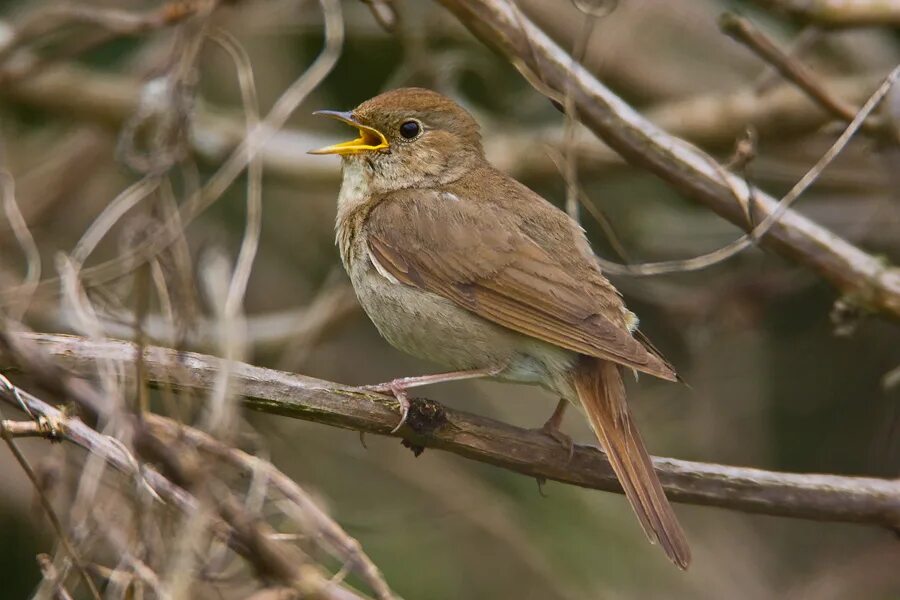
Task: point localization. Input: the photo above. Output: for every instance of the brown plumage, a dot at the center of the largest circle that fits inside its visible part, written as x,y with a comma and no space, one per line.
458,263
602,394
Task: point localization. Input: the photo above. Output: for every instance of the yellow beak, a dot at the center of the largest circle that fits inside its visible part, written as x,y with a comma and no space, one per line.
369,139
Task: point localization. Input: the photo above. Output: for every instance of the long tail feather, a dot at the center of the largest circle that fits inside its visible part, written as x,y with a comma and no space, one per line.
602,394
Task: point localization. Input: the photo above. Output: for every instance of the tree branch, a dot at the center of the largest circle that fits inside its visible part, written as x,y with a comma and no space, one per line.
432,425
745,32
47,19
839,13
22,429
865,278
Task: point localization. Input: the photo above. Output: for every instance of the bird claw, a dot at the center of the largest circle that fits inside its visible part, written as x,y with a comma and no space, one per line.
561,438
403,400
398,392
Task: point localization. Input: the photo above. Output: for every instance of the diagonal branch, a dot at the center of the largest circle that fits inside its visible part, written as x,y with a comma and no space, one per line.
865,278
745,32
432,425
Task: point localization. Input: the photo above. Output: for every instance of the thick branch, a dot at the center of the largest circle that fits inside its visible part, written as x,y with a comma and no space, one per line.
819,497
501,25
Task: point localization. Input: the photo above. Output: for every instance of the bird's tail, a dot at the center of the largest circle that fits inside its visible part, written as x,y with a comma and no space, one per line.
602,394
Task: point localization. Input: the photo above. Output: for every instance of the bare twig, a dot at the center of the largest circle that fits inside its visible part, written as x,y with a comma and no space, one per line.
805,496
873,284
230,307
48,19
744,31
21,429
346,547
45,563
250,243
18,62
802,42
61,533
25,240
385,14
840,13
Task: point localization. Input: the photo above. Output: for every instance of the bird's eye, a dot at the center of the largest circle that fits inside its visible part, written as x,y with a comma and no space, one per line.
409,130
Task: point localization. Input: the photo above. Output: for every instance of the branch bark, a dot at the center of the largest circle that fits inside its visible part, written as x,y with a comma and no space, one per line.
432,425
864,278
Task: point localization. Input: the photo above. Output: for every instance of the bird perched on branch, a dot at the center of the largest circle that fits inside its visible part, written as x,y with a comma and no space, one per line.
457,263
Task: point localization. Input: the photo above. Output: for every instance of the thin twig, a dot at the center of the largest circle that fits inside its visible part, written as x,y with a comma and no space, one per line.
840,13
25,240
46,20
742,30
48,508
344,546
802,42
17,64
230,309
21,429
45,563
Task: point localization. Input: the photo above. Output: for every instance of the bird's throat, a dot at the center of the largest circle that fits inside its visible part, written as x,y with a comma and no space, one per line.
354,202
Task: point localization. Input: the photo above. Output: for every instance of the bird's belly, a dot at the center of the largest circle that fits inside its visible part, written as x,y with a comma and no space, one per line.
431,327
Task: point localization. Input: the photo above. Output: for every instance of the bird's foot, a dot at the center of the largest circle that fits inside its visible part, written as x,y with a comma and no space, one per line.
396,389
551,428
558,436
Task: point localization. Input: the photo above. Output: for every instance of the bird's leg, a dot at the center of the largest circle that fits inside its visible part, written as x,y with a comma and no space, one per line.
551,427
397,387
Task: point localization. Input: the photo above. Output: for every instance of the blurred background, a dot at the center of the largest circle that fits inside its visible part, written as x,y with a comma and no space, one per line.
782,374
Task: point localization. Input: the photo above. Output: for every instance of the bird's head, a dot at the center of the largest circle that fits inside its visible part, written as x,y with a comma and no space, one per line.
409,137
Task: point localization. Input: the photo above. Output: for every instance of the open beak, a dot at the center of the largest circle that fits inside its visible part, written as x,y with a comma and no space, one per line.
369,138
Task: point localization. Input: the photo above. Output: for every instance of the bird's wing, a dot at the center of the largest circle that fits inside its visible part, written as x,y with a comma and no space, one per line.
479,258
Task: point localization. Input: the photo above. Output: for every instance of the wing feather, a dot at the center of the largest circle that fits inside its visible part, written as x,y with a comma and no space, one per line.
479,258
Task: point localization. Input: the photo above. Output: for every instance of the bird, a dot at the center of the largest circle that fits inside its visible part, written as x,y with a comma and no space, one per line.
460,264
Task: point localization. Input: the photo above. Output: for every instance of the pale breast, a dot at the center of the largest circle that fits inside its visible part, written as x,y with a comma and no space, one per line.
427,325
431,327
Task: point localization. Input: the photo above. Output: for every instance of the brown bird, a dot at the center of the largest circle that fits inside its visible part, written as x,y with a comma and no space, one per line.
460,264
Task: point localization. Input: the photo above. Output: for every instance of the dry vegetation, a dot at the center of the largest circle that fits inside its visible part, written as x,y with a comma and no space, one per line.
737,173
